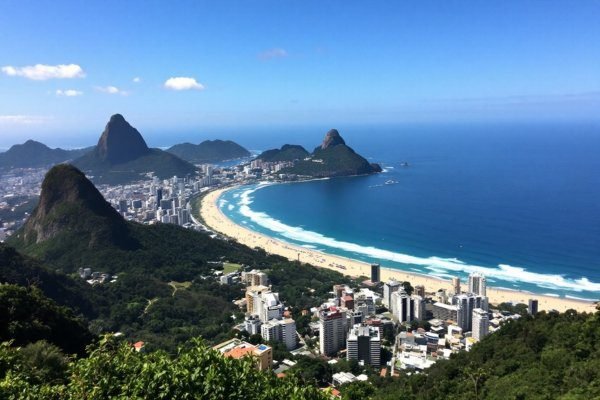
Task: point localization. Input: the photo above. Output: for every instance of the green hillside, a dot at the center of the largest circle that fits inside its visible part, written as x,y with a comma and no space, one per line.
162,164
339,160
209,151
288,152
333,158
32,154
551,356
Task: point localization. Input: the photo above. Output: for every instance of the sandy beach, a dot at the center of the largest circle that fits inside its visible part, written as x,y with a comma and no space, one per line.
217,221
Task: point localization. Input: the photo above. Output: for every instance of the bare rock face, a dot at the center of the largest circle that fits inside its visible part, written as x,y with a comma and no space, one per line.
332,138
120,142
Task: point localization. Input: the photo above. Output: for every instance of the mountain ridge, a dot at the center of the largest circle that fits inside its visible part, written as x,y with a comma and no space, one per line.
287,152
32,154
209,151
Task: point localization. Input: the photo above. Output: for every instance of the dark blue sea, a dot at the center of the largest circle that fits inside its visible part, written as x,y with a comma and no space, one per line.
519,203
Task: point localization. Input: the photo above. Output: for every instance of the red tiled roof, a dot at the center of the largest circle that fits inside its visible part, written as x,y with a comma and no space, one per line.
239,352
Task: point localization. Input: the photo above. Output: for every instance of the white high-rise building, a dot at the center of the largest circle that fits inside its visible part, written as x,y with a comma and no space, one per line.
477,284
389,287
271,331
288,333
418,307
252,324
364,344
271,307
254,298
466,303
402,306
332,327
481,323
283,330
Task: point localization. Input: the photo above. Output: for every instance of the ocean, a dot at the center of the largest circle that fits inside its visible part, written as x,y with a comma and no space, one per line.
519,203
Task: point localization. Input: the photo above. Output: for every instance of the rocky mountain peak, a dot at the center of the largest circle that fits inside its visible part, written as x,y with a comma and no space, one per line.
332,138
120,142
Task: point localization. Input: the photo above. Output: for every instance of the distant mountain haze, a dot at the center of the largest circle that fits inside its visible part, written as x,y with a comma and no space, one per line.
209,151
32,154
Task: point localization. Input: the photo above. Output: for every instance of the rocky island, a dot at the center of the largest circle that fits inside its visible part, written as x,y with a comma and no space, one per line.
332,158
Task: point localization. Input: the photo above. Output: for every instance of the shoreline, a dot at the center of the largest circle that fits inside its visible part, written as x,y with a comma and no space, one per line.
217,221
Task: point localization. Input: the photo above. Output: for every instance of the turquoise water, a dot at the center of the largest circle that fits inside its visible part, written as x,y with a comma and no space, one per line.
521,206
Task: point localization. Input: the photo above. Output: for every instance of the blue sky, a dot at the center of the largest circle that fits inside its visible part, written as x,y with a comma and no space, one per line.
292,63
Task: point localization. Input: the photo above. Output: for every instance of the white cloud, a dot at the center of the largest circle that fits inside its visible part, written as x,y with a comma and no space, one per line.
183,83
22,119
111,90
272,53
41,72
137,79
68,93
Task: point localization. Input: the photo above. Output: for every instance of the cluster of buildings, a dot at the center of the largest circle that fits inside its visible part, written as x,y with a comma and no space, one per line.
165,201
348,324
266,315
387,326
261,168
94,278
169,200
425,327
147,201
18,188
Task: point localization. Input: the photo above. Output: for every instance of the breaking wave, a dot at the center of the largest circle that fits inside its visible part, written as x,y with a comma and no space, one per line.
437,266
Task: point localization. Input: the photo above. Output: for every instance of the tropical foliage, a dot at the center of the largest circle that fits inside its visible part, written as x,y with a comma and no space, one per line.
114,370
551,356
